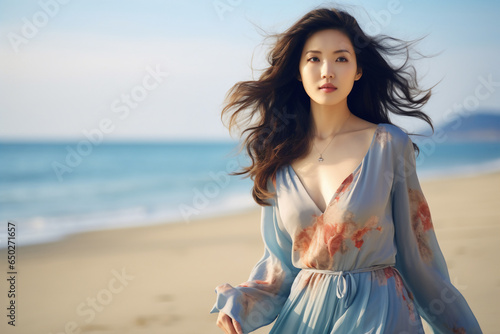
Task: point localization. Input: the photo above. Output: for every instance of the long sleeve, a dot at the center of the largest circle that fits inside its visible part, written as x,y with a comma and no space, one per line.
419,258
257,302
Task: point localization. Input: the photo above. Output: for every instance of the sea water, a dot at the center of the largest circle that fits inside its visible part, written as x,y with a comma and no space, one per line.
51,190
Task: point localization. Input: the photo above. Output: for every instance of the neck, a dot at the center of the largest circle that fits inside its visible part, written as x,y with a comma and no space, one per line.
327,121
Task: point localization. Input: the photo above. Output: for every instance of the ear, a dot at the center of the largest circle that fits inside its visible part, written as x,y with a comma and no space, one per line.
359,73
299,77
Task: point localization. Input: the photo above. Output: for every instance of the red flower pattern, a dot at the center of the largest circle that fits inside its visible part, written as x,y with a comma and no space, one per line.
248,302
272,280
343,187
421,222
382,136
383,275
460,330
318,243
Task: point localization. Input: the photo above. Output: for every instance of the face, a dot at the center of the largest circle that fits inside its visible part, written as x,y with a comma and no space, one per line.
328,67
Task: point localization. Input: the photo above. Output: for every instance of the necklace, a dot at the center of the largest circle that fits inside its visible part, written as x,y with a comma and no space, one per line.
320,158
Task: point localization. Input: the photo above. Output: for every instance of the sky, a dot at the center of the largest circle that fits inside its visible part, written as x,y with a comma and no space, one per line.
159,70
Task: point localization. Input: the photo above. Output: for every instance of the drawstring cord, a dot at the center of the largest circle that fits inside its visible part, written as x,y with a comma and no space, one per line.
346,283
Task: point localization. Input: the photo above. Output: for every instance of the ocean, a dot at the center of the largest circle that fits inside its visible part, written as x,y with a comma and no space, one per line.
52,190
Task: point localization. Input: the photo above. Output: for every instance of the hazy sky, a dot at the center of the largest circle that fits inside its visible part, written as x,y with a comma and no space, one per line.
151,69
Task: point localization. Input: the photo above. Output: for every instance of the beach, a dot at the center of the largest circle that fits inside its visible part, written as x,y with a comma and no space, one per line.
161,278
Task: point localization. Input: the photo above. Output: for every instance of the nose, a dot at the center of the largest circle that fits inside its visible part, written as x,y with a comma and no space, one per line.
327,70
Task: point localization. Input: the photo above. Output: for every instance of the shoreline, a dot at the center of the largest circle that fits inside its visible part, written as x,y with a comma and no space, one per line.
463,172
142,224
161,278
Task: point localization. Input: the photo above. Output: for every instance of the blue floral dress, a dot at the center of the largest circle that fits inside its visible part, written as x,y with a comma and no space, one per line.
370,263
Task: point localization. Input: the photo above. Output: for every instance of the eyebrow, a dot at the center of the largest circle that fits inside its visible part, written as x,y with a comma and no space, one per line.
338,51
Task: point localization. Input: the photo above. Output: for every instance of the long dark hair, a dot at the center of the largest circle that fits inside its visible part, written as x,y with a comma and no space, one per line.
276,108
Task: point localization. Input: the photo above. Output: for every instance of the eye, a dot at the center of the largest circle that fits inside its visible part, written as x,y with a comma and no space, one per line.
341,59
313,59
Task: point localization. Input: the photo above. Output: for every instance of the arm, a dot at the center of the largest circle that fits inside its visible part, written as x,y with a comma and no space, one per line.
257,302
419,258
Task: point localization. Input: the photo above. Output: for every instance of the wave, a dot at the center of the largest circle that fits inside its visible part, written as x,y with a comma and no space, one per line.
36,230
129,185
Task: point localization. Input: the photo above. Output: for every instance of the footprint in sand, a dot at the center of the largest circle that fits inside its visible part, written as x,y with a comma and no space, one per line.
95,328
163,319
152,320
165,298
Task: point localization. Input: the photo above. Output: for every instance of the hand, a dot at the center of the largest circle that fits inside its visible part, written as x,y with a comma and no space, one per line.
228,324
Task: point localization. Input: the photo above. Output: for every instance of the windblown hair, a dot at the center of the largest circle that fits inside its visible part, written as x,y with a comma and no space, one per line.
276,108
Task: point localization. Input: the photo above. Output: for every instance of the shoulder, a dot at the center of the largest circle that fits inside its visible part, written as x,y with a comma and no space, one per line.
392,135
394,131
384,133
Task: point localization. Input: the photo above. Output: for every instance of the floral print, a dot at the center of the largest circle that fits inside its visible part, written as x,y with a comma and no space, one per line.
421,222
318,243
343,188
383,275
382,136
248,302
273,278
320,272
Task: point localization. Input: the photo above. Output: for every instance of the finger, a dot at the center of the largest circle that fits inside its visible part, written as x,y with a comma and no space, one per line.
225,323
237,327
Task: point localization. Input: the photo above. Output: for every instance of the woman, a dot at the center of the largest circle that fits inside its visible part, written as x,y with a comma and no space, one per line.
349,241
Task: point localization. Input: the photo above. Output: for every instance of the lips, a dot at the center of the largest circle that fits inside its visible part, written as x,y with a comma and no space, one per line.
328,87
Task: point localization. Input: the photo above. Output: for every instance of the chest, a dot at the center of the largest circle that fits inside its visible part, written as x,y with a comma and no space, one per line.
322,177
321,181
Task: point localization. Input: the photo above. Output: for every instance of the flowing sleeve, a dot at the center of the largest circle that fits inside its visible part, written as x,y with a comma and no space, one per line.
419,258
257,302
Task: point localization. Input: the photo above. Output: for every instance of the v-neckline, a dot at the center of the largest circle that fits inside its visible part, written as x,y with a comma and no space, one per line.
342,183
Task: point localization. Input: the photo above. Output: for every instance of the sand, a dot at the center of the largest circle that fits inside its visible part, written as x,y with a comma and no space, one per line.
161,279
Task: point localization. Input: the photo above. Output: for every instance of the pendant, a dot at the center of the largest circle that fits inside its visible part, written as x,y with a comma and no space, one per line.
320,159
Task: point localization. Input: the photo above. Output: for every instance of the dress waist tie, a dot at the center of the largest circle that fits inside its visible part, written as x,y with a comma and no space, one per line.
346,284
